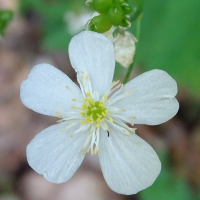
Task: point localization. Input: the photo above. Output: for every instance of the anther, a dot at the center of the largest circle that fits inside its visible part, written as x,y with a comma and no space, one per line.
84,107
96,150
83,114
88,94
70,123
58,114
73,99
97,125
111,119
105,97
68,87
83,122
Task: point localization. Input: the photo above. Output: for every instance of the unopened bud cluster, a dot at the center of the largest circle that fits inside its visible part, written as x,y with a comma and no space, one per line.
112,12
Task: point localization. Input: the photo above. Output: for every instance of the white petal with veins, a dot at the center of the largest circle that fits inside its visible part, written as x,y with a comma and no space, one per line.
55,154
93,53
128,163
152,99
45,92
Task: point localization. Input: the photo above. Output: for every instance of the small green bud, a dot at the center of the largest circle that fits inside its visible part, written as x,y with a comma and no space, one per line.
115,15
126,9
125,22
119,2
101,6
99,24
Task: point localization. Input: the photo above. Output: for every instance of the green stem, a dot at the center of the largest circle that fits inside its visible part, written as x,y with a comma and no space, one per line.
138,24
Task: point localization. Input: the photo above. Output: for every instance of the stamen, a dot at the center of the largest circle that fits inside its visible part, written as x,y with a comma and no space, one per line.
84,107
83,122
96,150
117,98
104,125
68,87
88,94
76,108
95,113
83,114
105,97
58,114
111,119
70,123
97,125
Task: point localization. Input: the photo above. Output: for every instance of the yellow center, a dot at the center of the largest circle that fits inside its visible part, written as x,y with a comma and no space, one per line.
93,110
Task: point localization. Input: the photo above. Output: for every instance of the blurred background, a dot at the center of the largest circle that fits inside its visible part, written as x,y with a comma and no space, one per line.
40,33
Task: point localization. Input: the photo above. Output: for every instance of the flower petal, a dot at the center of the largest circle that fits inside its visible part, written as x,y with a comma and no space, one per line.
152,99
128,163
125,48
93,53
45,92
55,154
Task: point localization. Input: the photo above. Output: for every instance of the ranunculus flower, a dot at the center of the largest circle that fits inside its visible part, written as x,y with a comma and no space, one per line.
93,119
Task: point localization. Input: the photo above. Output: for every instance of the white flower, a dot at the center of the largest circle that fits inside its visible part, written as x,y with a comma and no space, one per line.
93,120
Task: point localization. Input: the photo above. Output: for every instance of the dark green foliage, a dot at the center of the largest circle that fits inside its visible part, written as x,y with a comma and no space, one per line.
170,40
5,17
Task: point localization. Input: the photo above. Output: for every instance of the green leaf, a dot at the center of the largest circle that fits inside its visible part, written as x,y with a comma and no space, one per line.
166,186
170,40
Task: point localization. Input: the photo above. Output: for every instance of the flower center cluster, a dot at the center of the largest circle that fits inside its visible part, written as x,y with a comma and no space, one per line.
94,111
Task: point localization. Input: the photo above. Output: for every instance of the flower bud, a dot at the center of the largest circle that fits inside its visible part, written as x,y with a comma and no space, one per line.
99,24
115,15
125,22
126,9
119,2
101,6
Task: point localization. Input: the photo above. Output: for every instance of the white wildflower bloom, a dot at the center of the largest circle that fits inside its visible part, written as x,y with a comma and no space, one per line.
93,119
